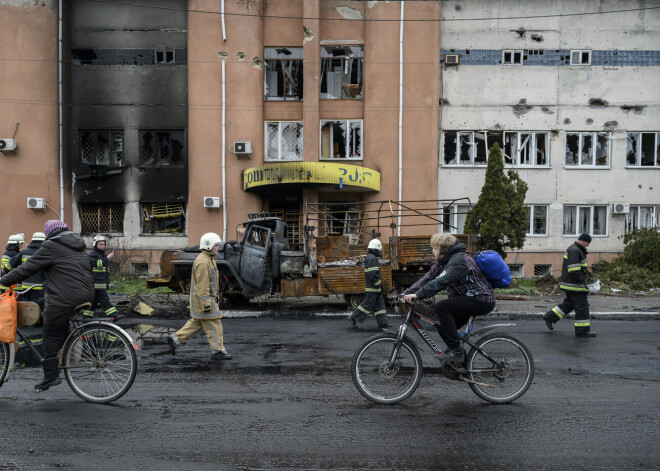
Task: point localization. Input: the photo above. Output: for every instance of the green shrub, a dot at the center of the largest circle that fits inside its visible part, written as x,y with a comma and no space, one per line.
643,248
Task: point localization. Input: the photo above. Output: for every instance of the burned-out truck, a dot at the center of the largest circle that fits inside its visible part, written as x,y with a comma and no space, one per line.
263,261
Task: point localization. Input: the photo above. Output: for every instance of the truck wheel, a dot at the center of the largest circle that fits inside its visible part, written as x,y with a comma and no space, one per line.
354,300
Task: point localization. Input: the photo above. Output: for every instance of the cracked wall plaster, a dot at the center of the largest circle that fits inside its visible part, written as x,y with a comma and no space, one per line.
257,63
307,34
349,13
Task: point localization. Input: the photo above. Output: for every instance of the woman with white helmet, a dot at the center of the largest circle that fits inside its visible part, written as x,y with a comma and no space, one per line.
204,296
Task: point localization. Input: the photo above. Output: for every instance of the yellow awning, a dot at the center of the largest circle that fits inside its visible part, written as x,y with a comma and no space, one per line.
339,175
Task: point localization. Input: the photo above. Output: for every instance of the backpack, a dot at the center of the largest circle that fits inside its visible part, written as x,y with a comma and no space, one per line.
494,268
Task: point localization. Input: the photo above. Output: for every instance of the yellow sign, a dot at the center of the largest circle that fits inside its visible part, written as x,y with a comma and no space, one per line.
339,175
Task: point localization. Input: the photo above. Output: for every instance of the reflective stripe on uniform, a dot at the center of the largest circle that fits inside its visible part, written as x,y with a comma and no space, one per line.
100,286
582,324
363,309
372,269
558,311
111,310
372,290
572,287
377,283
380,312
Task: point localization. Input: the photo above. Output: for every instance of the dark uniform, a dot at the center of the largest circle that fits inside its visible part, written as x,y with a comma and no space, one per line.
99,262
573,281
36,293
10,252
373,301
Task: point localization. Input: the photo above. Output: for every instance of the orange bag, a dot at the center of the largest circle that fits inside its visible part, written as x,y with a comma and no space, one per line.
8,316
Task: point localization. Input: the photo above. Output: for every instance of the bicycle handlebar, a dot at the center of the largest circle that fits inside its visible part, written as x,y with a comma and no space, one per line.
19,293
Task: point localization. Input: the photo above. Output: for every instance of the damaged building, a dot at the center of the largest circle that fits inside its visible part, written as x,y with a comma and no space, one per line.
179,117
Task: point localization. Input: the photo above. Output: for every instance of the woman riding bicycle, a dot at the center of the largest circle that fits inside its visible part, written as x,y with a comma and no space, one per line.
69,283
469,292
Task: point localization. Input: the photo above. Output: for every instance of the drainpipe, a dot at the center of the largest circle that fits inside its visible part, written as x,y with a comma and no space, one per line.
398,226
60,106
224,145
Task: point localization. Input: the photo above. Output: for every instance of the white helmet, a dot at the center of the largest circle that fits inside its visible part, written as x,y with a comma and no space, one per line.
594,287
375,245
15,239
38,236
99,238
208,240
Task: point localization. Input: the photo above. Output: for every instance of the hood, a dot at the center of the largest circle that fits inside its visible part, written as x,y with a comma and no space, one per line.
458,247
12,248
35,244
70,239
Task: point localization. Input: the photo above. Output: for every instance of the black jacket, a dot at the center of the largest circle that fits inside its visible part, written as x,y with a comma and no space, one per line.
99,263
373,279
574,269
66,268
11,252
22,256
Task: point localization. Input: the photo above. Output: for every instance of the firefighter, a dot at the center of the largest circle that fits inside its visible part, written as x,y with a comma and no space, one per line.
36,293
14,245
573,281
100,261
204,297
373,282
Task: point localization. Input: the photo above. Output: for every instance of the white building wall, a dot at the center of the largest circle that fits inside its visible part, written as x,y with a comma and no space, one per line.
556,99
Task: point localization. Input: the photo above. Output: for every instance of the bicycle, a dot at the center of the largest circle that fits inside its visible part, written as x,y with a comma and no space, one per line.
387,368
98,358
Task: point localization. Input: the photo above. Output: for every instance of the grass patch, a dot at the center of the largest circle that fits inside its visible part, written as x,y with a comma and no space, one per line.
519,287
133,286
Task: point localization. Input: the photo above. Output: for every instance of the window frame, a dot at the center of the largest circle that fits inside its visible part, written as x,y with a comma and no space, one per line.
515,159
594,136
170,132
655,217
513,53
164,52
279,141
451,219
530,220
360,73
348,128
109,134
581,52
639,149
590,229
98,229
301,65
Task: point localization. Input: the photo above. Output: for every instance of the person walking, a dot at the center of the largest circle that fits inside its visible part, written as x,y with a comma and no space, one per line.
37,280
373,282
469,293
100,268
573,281
204,297
69,285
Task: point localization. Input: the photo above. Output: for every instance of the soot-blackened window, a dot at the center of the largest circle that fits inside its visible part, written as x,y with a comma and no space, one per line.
162,148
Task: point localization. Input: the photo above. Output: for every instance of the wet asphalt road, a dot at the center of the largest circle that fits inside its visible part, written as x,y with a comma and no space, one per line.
286,402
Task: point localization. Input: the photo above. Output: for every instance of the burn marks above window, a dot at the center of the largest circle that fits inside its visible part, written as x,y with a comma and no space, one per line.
163,218
162,148
102,147
136,57
283,73
341,72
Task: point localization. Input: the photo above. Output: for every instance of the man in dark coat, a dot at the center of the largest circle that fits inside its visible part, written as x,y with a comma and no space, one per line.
37,280
100,269
69,284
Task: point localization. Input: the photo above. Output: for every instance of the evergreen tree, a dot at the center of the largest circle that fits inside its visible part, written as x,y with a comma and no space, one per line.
500,216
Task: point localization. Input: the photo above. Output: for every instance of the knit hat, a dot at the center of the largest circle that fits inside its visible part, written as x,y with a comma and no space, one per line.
55,226
585,237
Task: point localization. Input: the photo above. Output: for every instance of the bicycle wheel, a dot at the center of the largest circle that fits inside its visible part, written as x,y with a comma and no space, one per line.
508,376
99,363
4,361
376,380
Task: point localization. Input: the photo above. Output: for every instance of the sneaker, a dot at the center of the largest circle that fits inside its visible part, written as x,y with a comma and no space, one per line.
221,355
548,323
456,354
586,334
172,344
47,383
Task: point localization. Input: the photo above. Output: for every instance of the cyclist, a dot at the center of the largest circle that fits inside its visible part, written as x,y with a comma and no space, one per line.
69,284
469,292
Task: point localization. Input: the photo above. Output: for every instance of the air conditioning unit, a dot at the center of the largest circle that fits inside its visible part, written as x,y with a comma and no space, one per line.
211,202
7,144
243,147
452,59
620,208
36,203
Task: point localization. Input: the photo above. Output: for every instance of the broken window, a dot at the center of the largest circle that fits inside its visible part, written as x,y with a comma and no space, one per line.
453,218
283,73
642,217
528,148
580,57
643,149
542,270
341,139
102,147
164,57
469,147
341,72
284,140
588,149
101,217
341,219
579,219
163,218
537,220
512,57
83,56
516,270
158,148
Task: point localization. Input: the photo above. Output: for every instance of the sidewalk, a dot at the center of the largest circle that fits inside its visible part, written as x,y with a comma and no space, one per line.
522,307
